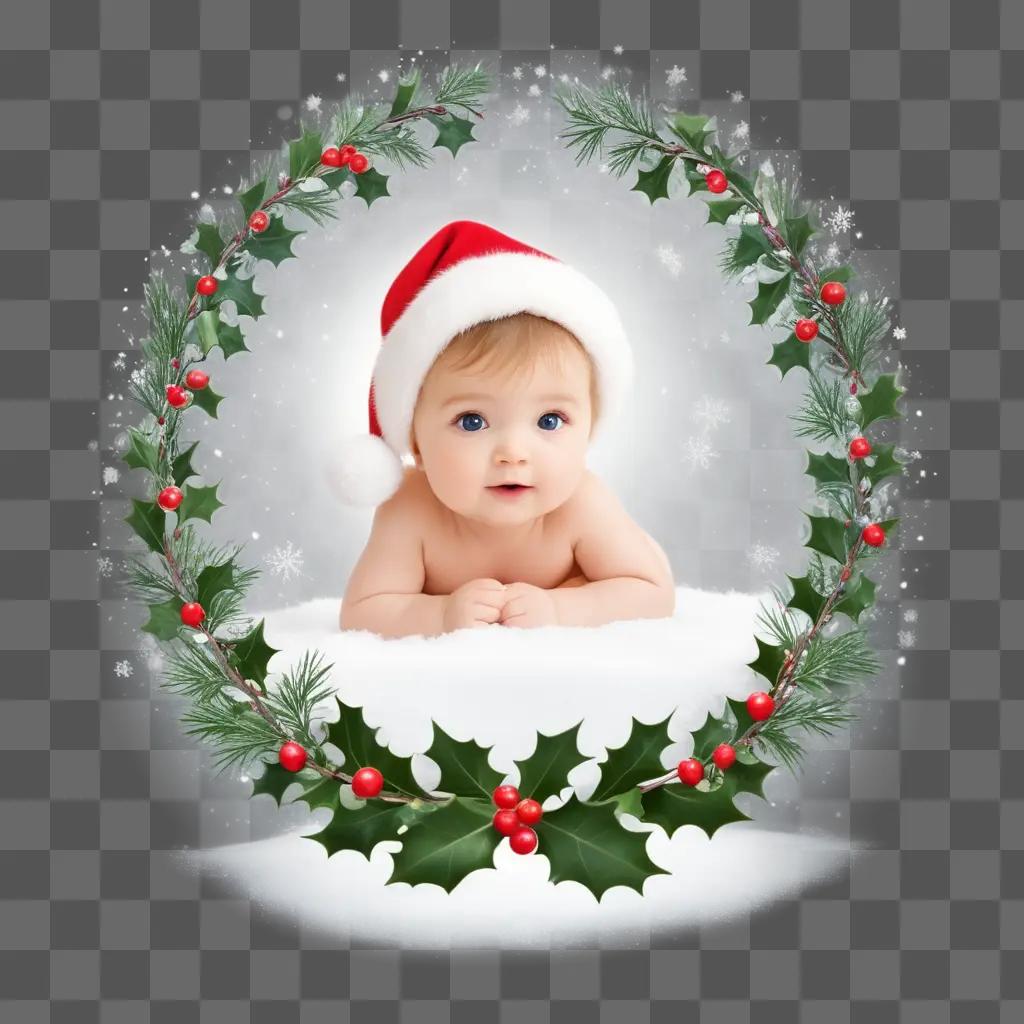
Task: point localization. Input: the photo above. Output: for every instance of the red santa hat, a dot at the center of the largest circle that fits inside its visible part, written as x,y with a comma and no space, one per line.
465,274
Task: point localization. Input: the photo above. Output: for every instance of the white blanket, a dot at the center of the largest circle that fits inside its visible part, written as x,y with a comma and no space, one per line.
501,686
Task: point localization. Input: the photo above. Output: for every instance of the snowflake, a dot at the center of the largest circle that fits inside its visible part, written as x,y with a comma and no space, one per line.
138,375
534,89
93,445
520,115
698,452
910,615
607,73
670,259
123,669
540,71
741,132
118,363
285,562
313,102
832,256
104,566
110,475
675,75
517,72
462,175
712,412
736,97
906,638
899,333
340,76
563,77
383,75
617,48
763,556
840,220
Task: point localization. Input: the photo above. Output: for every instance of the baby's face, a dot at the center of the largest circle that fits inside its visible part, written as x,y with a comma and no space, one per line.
532,429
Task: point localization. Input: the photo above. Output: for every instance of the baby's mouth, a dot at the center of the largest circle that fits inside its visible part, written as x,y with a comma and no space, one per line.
509,487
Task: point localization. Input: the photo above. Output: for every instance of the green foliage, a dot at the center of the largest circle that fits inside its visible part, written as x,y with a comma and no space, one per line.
636,761
544,773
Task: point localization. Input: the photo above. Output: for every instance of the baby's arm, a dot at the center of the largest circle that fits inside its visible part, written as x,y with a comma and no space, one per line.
384,593
630,576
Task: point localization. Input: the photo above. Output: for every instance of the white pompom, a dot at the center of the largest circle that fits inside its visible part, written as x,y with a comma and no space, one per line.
363,470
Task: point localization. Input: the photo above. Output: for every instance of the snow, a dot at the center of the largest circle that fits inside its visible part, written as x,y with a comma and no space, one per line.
551,678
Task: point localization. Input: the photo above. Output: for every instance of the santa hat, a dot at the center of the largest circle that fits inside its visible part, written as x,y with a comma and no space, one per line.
465,274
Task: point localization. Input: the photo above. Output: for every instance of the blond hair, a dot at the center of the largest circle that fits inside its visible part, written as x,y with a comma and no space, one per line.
514,343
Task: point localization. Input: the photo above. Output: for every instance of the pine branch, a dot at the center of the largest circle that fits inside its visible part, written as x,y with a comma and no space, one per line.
803,713
240,734
823,415
780,621
319,207
399,145
835,661
462,87
294,700
191,672
865,325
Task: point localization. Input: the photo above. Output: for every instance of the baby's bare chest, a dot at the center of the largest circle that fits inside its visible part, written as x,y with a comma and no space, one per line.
450,560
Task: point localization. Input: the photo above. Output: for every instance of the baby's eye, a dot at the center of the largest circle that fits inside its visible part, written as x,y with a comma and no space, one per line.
551,416
472,417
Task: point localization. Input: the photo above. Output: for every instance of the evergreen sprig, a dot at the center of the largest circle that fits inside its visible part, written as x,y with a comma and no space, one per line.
823,412
801,713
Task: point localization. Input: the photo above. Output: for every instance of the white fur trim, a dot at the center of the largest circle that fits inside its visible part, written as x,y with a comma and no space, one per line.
487,288
363,471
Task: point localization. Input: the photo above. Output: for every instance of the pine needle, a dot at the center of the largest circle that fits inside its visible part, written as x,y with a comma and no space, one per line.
823,415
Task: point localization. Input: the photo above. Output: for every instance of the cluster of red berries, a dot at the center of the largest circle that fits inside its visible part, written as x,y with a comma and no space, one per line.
366,782
514,818
178,396
690,770
347,156
833,293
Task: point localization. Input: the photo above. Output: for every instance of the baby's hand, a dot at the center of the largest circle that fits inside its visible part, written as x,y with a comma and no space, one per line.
476,603
527,606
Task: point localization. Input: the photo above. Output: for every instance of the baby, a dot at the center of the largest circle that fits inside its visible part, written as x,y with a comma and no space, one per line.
499,521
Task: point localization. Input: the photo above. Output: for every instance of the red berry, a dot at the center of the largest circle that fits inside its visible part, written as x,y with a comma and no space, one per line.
347,152
833,292
859,448
529,811
192,614
358,163
806,330
690,771
259,221
523,840
845,574
176,395
367,782
874,535
506,796
169,498
175,363
331,157
853,387
716,181
196,379
292,756
760,705
724,755
506,821
206,285
160,420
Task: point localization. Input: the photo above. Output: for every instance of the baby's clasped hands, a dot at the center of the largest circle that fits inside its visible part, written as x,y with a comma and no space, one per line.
487,601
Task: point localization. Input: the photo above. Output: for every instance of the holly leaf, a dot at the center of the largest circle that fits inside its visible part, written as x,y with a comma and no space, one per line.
357,741
213,580
713,732
584,842
142,453
751,245
859,594
304,154
654,183
797,231
720,210
165,619
404,94
692,129
836,274
230,339
453,132
181,466
371,185
252,198
274,781
359,828
241,292
880,402
827,536
323,792
210,242
630,802
250,654
544,772
805,597
273,244
148,520
637,760
335,177
675,804
738,710
885,464
207,399
465,770
768,298
827,469
789,353
199,503
768,662
459,838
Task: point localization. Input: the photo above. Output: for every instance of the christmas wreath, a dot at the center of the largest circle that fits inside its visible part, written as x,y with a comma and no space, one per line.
219,660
